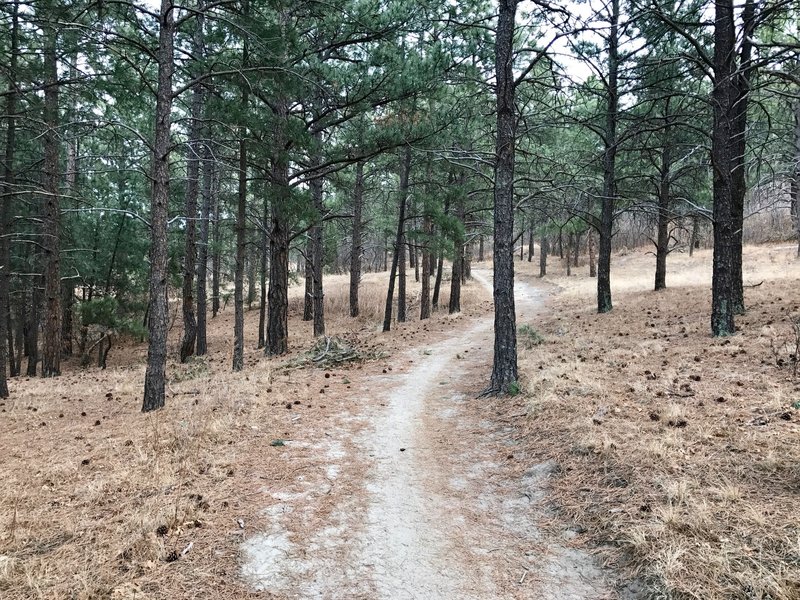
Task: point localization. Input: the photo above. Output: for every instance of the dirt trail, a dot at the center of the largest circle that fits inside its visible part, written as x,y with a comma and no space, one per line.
424,507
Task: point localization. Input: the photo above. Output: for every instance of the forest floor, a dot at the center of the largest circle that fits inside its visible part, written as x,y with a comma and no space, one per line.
639,443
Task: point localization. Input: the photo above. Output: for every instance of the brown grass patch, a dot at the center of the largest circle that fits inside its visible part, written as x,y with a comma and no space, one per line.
678,453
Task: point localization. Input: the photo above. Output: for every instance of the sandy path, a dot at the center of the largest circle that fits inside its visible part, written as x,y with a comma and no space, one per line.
424,508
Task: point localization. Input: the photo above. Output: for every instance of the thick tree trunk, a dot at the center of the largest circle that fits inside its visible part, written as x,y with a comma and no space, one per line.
609,167
543,250
592,256
504,369
202,256
51,246
481,249
154,382
398,258
722,302
194,151
357,242
278,294
741,102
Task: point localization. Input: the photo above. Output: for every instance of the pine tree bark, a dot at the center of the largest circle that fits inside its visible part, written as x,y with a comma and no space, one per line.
154,382
277,295
357,241
741,102
51,246
722,161
609,166
504,369
592,255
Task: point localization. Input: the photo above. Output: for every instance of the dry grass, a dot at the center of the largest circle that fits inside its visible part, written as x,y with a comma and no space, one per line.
97,500
678,453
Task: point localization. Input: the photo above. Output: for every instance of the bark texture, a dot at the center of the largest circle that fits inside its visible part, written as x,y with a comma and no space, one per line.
154,381
504,369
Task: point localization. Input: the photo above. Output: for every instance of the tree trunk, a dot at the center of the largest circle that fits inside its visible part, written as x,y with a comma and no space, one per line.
357,242
570,250
32,329
693,237
722,309
425,296
262,301
530,244
241,244
278,294
308,294
741,82
543,250
67,306
504,369
6,331
457,276
202,256
216,256
592,256
662,235
796,179
481,250
399,248
51,345
604,304
154,382
317,241
194,151
437,284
